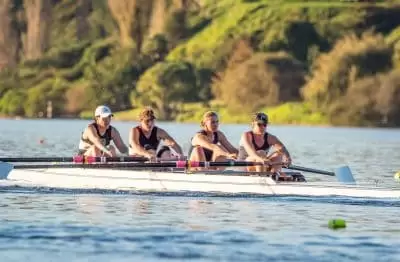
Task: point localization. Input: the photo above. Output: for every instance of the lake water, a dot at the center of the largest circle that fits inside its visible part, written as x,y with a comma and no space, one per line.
63,225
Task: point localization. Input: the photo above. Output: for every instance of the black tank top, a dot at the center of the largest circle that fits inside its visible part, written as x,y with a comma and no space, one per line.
105,139
148,143
207,152
264,146
215,136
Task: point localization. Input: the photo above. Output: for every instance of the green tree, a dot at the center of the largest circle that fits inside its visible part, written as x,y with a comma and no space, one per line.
166,85
352,58
388,98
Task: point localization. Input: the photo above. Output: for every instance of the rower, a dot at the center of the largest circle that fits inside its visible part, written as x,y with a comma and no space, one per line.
144,139
96,138
255,144
211,144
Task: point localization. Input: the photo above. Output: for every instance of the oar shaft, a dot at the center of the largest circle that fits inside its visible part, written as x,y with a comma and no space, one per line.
174,164
311,170
74,159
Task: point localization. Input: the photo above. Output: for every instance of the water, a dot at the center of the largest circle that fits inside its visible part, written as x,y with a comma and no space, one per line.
65,225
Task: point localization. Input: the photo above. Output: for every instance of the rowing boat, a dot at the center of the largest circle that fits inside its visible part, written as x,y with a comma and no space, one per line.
178,180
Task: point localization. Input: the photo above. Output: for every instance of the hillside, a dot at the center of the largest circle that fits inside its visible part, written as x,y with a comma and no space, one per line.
302,61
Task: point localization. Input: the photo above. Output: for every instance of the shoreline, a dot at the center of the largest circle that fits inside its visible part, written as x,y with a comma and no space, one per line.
17,118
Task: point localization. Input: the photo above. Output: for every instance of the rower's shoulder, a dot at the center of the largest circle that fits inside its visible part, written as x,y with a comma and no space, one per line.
160,130
271,138
220,133
90,126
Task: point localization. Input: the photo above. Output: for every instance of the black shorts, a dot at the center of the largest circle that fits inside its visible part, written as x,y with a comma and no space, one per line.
162,150
208,154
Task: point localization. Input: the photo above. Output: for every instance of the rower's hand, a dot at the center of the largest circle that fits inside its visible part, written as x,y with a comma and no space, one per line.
151,155
181,157
232,155
263,160
107,153
288,161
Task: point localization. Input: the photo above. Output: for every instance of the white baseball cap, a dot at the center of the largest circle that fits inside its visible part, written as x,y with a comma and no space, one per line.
103,111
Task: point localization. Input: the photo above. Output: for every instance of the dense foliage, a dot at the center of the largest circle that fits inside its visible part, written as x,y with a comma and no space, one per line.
333,61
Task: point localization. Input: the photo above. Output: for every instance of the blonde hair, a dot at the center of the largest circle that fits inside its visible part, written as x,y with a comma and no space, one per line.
207,115
146,113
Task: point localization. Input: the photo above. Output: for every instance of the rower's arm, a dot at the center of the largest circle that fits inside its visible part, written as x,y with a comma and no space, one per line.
134,142
92,136
118,141
225,143
169,141
248,146
280,147
202,141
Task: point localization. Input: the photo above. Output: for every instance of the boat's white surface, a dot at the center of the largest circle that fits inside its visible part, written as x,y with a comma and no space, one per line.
79,178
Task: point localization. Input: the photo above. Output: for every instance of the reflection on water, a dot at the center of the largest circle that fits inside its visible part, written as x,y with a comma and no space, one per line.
209,228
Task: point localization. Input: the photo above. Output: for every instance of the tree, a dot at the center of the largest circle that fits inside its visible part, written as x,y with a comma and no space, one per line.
82,14
265,79
38,16
351,58
388,98
164,86
242,51
123,12
254,80
8,35
133,18
158,17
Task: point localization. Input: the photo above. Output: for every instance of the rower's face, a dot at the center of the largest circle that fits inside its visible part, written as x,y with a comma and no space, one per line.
260,126
212,123
147,123
104,121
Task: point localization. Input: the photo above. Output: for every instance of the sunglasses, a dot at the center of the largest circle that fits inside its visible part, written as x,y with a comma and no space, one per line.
104,118
214,122
262,124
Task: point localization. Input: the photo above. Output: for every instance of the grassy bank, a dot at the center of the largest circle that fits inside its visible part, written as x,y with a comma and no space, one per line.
288,113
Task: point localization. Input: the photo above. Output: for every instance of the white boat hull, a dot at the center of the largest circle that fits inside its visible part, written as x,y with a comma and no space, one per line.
79,178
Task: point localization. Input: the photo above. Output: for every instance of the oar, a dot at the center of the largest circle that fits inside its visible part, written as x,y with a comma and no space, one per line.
343,174
5,168
74,159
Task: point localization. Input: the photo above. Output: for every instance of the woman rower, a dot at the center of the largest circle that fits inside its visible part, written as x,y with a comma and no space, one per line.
96,138
211,144
255,144
145,138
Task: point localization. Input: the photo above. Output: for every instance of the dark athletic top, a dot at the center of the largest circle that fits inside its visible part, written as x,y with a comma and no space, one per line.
265,147
150,143
105,138
207,152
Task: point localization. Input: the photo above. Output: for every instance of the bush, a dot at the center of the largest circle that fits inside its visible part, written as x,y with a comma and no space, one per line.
12,103
352,58
388,98
252,81
165,85
38,96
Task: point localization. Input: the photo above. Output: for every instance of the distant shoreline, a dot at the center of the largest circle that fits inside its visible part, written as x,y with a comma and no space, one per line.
194,122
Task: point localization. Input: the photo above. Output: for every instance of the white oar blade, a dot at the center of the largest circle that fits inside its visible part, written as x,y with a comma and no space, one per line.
5,169
344,175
